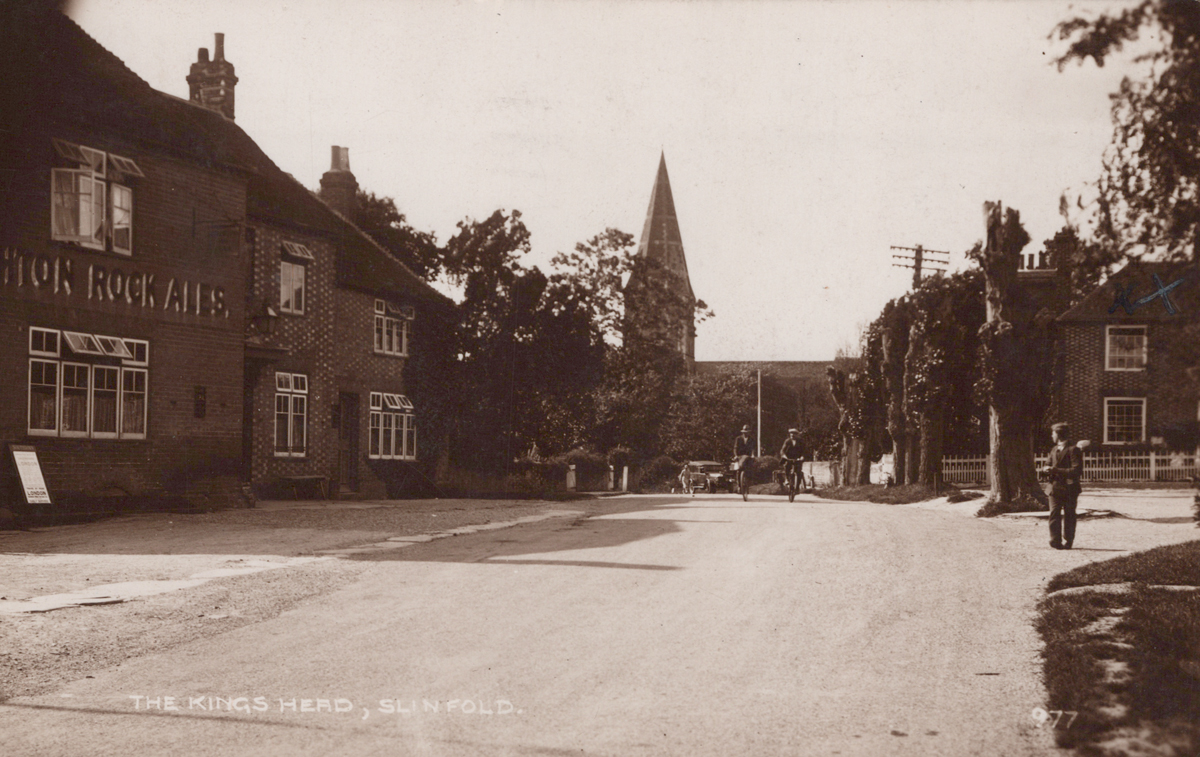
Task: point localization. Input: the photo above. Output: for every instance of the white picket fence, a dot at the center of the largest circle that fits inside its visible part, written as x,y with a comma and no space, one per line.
1097,466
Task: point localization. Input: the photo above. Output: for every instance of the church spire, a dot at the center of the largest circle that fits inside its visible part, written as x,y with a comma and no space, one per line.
659,303
661,239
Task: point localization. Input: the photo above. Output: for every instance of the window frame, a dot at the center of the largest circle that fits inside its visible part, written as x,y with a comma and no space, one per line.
1109,355
287,272
1108,402
292,389
92,223
391,330
391,428
111,355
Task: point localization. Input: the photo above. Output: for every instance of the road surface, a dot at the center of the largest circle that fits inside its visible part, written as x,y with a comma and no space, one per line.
679,626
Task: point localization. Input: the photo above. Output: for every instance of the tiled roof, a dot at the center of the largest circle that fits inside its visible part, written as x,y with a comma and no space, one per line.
51,67
1133,294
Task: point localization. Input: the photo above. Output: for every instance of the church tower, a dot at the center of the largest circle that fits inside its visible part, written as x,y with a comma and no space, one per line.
211,82
659,303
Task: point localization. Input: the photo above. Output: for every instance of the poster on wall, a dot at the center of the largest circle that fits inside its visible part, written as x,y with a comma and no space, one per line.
29,470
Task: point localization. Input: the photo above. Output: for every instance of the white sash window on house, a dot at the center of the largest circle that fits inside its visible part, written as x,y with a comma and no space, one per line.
291,414
87,385
393,428
91,202
294,260
391,328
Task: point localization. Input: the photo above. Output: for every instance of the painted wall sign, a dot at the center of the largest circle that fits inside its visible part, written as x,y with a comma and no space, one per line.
59,275
33,484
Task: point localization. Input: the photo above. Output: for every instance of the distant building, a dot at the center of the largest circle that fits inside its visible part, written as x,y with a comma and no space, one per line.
660,306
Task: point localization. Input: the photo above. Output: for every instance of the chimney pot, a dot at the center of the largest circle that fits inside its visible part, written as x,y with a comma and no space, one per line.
219,52
340,159
202,55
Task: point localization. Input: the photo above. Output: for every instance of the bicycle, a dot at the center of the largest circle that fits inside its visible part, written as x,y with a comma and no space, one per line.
742,477
789,478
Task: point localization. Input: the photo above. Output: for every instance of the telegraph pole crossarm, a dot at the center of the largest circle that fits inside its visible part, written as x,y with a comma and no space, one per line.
919,259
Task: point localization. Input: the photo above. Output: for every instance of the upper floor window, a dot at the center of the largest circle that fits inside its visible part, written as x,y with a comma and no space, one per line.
91,202
391,328
1124,420
292,273
1125,348
87,385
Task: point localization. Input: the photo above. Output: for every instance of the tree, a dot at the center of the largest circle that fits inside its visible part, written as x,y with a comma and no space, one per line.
707,413
894,324
1016,360
1149,189
945,313
380,220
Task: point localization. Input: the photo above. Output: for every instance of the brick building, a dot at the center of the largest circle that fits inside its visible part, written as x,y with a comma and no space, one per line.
121,291
1128,362
185,316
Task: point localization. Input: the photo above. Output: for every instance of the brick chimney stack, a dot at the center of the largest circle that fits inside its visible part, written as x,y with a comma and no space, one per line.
338,185
211,82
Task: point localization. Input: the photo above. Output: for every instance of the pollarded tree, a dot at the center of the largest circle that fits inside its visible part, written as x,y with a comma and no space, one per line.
1016,356
894,324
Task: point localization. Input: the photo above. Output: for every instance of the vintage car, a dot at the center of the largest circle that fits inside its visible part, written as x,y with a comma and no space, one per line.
705,476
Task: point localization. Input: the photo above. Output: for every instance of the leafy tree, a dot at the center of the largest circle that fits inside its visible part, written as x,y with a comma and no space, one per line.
379,218
594,273
945,313
707,413
1149,189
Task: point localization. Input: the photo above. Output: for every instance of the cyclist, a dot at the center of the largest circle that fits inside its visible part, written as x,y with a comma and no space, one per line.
793,458
743,450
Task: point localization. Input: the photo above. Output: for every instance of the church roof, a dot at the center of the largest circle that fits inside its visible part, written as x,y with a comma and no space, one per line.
661,239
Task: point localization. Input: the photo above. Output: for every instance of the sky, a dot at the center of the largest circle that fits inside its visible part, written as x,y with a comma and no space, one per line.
802,139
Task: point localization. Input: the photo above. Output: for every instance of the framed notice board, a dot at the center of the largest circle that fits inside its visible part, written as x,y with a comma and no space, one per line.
29,474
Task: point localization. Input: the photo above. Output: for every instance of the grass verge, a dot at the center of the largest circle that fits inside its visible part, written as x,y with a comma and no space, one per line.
1127,663
884,495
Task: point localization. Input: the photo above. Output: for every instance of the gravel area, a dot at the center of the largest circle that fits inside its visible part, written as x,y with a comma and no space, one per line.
43,650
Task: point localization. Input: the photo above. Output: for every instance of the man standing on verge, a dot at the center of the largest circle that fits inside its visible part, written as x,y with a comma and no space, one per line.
1065,470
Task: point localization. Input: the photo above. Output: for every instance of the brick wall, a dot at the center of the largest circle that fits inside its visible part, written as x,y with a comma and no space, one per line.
181,290
309,343
361,371
1170,395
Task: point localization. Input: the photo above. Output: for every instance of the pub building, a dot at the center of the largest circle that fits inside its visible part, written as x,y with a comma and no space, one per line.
173,306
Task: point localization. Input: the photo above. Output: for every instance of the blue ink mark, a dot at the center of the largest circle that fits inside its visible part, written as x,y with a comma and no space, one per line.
1164,292
1121,300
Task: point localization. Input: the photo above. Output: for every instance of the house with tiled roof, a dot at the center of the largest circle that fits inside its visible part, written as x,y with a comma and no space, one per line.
178,303
1128,361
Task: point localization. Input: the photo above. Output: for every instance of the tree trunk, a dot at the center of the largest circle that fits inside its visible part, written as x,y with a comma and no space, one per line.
864,458
932,438
899,452
1013,476
1009,349
912,470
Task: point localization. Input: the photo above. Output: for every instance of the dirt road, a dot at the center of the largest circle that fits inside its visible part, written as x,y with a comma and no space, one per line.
671,626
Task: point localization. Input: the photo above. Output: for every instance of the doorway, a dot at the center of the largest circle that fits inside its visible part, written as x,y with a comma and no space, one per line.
348,441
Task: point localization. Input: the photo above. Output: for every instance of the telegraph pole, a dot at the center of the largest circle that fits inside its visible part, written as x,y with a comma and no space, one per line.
938,260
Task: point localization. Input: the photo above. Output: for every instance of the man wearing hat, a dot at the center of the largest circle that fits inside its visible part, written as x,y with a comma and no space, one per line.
792,456
1065,472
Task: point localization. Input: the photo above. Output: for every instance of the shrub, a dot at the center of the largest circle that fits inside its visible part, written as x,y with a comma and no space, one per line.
619,457
586,462
764,467
659,473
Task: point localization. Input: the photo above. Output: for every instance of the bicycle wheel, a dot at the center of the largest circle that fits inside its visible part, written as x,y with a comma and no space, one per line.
744,485
791,487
